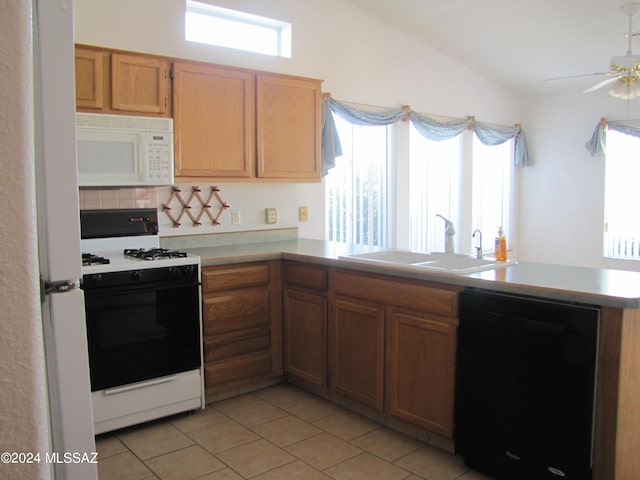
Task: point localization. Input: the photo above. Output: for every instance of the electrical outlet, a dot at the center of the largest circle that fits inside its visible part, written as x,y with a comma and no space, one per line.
235,217
303,214
272,216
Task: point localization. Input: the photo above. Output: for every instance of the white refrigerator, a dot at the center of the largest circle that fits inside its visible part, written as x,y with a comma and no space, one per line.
63,316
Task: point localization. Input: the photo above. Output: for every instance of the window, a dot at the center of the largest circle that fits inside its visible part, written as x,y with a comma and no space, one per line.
434,189
437,186
622,197
493,178
370,192
213,25
356,188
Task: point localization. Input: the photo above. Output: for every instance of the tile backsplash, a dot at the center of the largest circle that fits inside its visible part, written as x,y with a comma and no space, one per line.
100,199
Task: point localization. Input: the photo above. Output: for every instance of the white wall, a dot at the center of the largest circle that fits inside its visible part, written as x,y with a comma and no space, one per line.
250,199
562,196
360,58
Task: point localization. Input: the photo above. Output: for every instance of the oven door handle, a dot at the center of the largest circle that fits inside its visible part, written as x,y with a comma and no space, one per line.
136,386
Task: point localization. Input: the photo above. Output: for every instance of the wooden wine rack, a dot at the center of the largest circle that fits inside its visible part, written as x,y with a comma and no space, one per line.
186,207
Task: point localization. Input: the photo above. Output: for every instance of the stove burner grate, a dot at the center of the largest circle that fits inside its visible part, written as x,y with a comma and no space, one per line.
153,253
91,259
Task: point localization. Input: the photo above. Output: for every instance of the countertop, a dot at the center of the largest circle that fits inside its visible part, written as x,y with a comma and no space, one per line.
606,287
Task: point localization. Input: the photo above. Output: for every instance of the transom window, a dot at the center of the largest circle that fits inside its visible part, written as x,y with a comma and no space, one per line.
205,23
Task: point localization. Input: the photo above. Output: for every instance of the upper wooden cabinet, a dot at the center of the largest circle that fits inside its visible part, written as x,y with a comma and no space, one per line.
139,84
117,83
236,123
288,111
213,121
90,79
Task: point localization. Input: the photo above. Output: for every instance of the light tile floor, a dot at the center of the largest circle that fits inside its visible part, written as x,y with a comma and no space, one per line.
278,433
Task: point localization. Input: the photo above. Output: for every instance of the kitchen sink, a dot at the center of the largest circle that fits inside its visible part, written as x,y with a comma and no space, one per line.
436,261
404,257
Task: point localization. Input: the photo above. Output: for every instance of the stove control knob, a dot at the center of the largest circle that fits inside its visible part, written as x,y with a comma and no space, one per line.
190,271
136,275
176,272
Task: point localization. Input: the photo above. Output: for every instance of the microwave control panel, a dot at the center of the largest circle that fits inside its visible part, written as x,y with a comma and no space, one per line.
160,158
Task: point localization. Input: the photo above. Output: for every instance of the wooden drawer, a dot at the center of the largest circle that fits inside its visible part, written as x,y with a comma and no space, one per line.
227,277
227,345
306,276
429,297
236,310
239,368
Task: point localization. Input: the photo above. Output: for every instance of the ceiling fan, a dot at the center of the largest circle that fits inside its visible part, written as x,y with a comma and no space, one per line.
624,71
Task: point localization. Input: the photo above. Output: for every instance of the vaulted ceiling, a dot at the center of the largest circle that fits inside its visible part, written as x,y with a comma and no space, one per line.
518,43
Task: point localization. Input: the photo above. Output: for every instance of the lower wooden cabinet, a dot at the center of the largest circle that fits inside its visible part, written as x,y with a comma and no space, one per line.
305,322
356,352
305,336
392,346
421,354
383,342
242,331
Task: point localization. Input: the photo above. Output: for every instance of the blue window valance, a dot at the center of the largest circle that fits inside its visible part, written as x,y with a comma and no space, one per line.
426,126
597,144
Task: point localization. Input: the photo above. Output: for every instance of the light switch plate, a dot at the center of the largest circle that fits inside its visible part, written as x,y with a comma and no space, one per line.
271,216
303,214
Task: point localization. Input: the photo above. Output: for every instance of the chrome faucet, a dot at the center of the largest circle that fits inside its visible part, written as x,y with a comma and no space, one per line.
479,247
449,232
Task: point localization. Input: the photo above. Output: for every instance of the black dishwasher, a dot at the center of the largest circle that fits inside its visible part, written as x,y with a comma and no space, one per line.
525,386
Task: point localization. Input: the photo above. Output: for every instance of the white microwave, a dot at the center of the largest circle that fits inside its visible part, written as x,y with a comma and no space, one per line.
122,150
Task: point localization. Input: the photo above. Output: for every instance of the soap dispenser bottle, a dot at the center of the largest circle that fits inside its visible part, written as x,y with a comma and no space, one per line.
501,246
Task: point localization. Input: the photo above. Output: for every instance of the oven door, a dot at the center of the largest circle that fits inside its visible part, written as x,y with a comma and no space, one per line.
141,333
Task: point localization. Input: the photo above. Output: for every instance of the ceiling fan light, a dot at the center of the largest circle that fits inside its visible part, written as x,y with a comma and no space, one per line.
625,88
624,63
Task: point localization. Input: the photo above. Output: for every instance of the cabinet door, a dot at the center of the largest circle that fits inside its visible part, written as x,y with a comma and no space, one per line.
89,69
356,349
138,84
305,336
288,127
421,360
213,121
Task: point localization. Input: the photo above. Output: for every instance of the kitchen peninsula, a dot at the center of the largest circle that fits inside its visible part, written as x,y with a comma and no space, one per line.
316,283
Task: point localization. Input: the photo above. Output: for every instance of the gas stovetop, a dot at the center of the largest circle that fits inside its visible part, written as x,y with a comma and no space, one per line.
91,259
153,253
117,260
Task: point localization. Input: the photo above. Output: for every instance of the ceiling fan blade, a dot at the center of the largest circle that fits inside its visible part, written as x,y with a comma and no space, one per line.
584,75
599,85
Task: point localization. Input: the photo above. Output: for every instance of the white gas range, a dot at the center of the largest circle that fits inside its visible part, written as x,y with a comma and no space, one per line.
142,308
